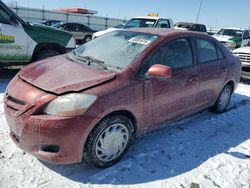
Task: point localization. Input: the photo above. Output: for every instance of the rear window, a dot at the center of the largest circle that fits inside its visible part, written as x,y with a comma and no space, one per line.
208,51
140,22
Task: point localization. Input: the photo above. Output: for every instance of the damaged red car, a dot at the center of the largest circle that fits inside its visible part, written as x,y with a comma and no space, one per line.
92,102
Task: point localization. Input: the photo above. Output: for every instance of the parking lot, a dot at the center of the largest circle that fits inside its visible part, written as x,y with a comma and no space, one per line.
205,149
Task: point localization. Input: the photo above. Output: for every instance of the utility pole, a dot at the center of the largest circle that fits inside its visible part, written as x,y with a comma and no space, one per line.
199,12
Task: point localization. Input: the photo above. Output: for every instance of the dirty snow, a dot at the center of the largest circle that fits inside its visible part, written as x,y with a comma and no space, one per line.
206,149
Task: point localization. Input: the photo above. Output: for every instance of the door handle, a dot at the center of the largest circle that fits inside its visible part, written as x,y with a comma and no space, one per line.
223,70
193,79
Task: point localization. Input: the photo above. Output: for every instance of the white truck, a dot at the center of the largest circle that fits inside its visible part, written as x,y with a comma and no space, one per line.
243,54
145,21
23,42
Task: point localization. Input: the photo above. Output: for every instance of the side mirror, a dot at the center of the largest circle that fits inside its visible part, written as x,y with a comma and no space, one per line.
13,20
160,71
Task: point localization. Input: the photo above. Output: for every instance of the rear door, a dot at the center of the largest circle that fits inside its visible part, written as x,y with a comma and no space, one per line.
213,71
169,98
13,39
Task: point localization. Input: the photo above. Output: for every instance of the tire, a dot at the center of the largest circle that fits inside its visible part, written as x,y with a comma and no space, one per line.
109,141
87,38
45,54
223,100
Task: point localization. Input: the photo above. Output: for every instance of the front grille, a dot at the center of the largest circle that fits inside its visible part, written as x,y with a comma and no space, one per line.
244,57
15,100
16,107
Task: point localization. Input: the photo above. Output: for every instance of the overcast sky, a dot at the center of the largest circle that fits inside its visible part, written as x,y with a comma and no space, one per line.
220,13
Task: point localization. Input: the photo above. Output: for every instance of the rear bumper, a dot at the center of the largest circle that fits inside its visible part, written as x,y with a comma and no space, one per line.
50,138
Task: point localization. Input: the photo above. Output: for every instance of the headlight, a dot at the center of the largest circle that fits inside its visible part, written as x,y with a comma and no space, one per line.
230,44
70,104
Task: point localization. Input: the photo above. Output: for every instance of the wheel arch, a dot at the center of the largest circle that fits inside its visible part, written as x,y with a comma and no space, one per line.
48,46
232,84
127,114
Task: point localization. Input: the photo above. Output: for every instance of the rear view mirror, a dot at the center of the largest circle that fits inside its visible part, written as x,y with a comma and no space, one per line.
160,71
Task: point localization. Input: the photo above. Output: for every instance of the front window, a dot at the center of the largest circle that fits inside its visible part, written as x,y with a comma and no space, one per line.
163,23
115,50
176,54
4,17
140,22
231,32
57,25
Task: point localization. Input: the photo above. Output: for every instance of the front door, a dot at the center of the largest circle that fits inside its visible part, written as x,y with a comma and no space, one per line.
13,39
166,99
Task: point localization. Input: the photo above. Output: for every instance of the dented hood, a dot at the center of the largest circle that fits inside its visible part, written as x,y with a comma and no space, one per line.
60,75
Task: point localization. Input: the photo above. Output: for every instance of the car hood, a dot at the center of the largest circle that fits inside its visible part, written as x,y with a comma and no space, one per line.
45,34
60,75
242,50
222,38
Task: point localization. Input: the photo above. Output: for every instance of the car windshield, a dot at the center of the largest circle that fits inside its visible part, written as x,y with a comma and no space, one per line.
115,50
231,32
140,22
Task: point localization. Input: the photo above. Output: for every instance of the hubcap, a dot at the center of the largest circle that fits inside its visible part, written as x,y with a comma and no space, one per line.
224,99
112,142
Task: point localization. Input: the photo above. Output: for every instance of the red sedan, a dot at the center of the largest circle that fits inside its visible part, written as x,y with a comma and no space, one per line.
93,101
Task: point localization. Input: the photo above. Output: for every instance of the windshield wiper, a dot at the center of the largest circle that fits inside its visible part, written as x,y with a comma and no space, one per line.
91,61
95,62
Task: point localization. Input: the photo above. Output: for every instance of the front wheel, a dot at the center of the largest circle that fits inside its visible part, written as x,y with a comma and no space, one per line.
223,100
109,141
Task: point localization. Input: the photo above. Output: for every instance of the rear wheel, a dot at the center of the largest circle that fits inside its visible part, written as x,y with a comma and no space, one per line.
223,100
109,141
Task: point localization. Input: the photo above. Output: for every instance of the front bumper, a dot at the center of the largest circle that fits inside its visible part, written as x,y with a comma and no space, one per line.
50,138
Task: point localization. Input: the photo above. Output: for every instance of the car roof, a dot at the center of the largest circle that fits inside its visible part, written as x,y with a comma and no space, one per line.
189,23
150,17
164,31
233,28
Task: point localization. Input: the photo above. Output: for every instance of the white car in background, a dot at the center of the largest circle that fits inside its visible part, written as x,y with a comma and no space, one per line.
230,37
146,21
243,54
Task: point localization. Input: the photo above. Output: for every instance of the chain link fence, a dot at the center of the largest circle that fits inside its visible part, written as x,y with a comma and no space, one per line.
39,15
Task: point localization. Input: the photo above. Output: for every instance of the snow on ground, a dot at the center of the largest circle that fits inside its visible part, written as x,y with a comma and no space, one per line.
207,149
